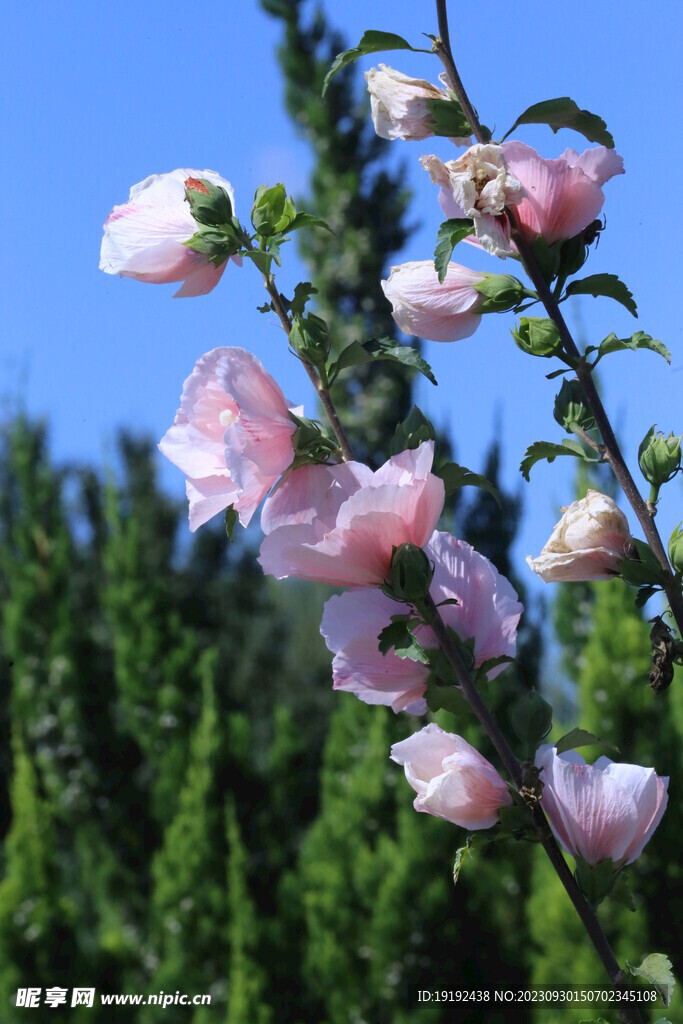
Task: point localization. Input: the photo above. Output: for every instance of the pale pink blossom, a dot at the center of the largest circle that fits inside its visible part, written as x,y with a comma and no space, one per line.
400,105
144,238
232,435
487,612
452,779
560,197
339,524
437,312
480,185
602,811
588,543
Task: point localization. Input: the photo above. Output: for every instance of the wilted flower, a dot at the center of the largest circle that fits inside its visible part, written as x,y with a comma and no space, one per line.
480,186
588,543
452,780
601,811
339,524
559,198
487,612
400,105
232,435
437,312
144,238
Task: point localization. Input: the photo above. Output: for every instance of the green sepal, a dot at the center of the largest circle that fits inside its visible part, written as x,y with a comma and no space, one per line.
607,285
531,717
595,882
231,520
410,575
659,457
537,336
515,821
372,41
449,234
502,292
412,432
676,549
448,119
643,569
563,112
540,450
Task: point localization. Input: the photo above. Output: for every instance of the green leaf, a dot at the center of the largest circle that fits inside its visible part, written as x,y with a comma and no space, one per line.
231,519
450,233
656,969
455,476
387,349
516,821
540,450
638,340
371,42
307,220
621,892
448,119
411,432
302,294
581,738
564,113
607,285
644,595
397,637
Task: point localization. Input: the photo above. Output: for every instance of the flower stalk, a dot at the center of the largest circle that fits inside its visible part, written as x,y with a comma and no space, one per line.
612,453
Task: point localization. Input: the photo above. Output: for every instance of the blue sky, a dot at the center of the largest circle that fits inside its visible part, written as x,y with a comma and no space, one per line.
98,96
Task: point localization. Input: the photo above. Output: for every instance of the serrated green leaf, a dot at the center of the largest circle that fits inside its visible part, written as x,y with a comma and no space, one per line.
540,450
448,119
372,41
449,234
563,112
607,285
397,637
581,738
455,477
231,520
262,260
446,698
657,970
302,294
638,340
377,349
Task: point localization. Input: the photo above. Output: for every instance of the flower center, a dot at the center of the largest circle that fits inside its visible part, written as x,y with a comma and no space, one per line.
227,417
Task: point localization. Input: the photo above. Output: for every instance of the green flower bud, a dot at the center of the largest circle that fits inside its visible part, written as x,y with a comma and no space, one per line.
537,336
676,549
410,575
309,441
310,339
659,457
571,409
273,210
210,204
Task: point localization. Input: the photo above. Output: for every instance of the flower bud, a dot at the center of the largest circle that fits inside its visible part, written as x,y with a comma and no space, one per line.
676,549
537,336
273,210
311,445
659,457
571,410
410,574
310,339
210,204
